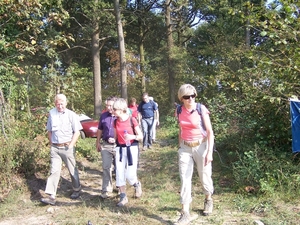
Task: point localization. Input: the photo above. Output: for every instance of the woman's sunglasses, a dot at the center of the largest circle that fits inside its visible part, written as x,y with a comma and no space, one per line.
188,96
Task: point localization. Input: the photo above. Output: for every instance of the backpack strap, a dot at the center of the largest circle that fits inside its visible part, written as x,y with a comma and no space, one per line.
198,108
152,104
179,109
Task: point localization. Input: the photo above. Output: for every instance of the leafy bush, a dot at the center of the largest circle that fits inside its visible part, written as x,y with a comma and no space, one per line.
24,151
248,169
272,174
22,157
87,148
170,129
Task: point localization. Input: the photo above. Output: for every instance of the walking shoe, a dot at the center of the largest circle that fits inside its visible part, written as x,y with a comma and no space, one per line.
75,195
144,148
186,218
48,200
208,207
106,194
138,189
123,200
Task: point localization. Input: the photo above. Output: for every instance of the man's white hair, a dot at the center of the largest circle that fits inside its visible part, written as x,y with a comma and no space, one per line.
60,97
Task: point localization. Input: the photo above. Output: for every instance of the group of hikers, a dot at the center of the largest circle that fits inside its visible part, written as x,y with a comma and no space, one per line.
121,127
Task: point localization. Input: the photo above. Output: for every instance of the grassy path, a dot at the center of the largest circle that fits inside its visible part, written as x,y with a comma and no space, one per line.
158,172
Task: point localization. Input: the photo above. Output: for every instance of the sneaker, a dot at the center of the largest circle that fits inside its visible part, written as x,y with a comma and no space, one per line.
106,194
149,147
123,200
75,195
138,189
208,207
185,218
144,148
48,200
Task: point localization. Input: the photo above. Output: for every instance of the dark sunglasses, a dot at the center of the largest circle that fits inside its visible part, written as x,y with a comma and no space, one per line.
188,96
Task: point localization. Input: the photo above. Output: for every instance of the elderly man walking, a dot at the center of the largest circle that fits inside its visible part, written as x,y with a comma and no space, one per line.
63,127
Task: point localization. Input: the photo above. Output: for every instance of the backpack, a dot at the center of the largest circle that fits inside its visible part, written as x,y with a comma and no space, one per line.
198,109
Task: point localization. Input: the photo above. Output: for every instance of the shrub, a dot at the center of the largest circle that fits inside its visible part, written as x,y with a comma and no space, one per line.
272,174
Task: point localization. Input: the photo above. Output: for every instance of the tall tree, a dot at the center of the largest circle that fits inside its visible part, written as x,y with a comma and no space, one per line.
143,35
123,69
96,69
170,56
96,66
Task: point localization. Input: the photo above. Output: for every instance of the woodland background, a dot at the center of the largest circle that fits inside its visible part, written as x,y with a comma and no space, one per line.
242,56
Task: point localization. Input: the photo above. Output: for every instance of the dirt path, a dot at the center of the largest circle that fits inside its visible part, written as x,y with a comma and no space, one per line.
29,211
38,214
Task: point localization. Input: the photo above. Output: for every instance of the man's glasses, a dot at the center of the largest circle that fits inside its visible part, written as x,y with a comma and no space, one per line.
188,96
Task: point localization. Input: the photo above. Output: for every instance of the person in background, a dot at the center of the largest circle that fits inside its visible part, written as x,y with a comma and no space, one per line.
127,135
133,107
146,110
63,127
155,122
105,109
196,146
107,147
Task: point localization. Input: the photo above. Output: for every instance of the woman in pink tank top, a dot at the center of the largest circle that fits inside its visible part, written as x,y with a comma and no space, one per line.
196,140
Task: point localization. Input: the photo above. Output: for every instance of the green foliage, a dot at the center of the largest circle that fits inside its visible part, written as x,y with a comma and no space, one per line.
45,48
87,148
271,174
170,131
20,156
248,170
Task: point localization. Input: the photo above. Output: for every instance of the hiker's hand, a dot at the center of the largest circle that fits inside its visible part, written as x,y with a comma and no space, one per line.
129,137
208,159
98,147
111,140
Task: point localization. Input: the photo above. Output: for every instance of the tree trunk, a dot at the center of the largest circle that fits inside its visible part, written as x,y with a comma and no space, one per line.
121,49
170,44
2,110
96,71
247,28
141,47
142,56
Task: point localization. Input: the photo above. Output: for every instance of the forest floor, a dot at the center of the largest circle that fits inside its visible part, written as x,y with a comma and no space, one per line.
159,204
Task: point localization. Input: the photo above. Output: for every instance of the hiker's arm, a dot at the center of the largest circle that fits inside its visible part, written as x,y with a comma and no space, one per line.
139,117
179,137
139,134
210,138
157,117
49,137
99,135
